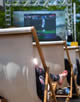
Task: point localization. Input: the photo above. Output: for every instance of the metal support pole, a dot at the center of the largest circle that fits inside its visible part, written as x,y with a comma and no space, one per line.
74,10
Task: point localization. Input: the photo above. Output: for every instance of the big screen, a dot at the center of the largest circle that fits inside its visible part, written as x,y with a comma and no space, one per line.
50,25
45,25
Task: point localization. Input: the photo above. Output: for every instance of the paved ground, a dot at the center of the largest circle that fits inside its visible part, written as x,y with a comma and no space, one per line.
75,99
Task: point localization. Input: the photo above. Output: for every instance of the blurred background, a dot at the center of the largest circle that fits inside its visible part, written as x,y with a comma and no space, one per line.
63,26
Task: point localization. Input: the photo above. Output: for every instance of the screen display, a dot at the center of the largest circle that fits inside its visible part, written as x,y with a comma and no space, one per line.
50,25
45,25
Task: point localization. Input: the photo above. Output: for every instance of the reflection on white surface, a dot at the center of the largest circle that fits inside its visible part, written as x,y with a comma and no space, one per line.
11,70
35,61
25,71
1,67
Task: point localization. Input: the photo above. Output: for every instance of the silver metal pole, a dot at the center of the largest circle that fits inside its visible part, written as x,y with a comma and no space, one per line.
74,10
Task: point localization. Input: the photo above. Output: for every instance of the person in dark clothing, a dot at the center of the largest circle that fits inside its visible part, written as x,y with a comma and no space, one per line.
76,71
40,80
67,67
78,68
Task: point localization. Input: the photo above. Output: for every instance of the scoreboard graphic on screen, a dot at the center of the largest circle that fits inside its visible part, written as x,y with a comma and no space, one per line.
45,25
